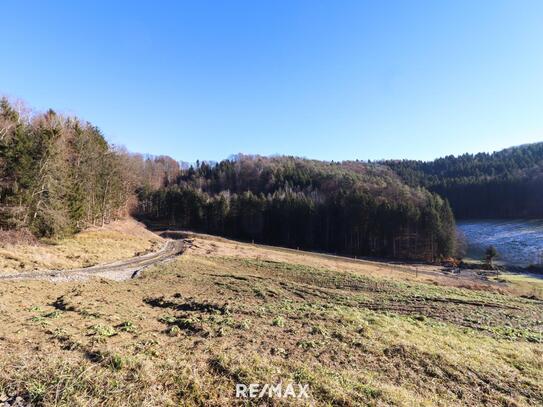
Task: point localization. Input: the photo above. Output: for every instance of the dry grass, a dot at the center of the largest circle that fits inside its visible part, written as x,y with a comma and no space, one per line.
115,241
523,284
207,245
225,312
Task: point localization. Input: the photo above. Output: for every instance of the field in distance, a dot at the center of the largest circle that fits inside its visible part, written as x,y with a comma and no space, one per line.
185,332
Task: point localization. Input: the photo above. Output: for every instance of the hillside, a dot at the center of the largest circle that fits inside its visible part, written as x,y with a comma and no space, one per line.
350,208
504,184
96,245
226,312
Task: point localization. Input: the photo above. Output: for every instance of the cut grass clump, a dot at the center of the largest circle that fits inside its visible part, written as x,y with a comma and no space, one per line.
279,321
318,330
126,326
102,331
190,324
116,362
36,391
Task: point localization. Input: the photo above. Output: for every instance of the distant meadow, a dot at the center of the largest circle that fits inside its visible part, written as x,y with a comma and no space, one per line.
519,242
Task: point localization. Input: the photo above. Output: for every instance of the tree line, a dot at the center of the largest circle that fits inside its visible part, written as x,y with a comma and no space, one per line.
57,174
349,208
504,184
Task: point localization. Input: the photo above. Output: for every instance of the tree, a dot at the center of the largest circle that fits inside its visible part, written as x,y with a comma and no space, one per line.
490,254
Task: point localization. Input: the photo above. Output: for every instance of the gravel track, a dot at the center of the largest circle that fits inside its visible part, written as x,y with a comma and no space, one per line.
119,270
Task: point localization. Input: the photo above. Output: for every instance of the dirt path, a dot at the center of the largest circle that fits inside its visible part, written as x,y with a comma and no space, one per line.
119,270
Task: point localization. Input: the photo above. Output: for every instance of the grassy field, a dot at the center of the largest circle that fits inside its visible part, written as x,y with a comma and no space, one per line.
115,241
529,285
224,313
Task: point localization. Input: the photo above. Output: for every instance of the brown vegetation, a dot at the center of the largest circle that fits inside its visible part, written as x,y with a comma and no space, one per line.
225,312
115,241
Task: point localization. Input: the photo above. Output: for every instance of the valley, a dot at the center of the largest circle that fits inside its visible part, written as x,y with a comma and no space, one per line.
271,203
346,278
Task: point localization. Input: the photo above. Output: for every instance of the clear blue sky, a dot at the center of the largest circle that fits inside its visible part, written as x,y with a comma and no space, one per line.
321,79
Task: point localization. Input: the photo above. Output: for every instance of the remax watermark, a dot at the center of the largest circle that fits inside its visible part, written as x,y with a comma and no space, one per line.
280,390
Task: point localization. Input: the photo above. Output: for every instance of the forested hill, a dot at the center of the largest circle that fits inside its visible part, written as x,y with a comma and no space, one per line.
59,175
504,184
353,208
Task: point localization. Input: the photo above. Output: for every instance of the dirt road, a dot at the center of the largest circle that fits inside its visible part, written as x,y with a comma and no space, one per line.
119,270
